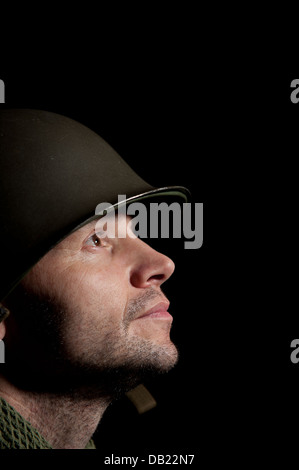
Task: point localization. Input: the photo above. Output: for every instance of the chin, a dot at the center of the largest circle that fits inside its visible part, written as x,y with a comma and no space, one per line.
162,358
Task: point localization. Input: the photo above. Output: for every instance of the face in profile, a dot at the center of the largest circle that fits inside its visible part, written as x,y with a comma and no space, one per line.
91,313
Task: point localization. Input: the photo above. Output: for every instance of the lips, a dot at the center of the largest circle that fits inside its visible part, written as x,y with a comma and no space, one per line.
159,311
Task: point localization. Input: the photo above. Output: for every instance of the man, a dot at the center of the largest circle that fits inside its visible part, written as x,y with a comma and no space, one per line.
88,319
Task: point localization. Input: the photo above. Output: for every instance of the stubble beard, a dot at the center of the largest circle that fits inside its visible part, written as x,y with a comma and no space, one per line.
123,359
106,366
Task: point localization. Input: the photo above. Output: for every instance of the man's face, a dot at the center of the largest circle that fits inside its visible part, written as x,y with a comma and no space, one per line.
101,300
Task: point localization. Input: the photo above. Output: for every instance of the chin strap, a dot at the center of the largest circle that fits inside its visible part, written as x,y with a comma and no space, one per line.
141,399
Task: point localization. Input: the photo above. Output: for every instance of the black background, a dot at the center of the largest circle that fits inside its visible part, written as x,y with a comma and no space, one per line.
154,118
227,130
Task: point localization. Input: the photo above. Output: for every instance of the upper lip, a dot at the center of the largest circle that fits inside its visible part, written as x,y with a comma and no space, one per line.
161,306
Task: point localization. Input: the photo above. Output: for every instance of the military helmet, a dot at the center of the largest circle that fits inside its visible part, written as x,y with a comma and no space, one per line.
54,172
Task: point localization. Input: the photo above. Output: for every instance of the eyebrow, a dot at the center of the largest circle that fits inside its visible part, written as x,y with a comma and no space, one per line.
79,234
83,231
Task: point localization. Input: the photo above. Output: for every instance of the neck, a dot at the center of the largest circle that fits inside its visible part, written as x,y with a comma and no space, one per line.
66,422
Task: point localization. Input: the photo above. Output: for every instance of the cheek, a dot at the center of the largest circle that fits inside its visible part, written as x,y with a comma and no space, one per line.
95,304
94,294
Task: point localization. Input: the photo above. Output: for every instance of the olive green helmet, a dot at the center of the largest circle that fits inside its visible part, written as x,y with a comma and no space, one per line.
54,171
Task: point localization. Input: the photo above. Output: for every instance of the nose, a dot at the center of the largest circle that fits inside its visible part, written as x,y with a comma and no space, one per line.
150,268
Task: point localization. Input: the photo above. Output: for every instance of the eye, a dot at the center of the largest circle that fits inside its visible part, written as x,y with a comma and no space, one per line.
95,241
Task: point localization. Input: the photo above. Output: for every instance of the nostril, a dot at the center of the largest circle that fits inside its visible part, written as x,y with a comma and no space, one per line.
158,277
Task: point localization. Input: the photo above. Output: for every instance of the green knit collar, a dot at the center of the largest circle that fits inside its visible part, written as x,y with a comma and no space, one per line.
17,433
